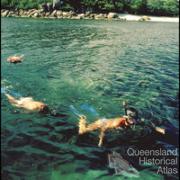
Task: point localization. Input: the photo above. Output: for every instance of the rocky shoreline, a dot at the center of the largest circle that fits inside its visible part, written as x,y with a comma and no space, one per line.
58,14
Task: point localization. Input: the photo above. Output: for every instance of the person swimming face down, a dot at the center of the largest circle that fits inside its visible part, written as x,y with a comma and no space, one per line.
28,103
103,125
15,59
31,105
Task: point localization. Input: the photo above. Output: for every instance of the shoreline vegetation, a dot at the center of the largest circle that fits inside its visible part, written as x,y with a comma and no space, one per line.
59,14
122,10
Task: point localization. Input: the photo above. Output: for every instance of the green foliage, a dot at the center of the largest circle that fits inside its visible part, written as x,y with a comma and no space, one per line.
22,4
154,7
163,7
5,3
28,4
138,6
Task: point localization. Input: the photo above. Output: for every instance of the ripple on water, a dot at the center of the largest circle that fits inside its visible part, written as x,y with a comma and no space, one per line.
99,63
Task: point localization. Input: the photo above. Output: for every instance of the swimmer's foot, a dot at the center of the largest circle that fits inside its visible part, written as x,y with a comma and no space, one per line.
11,99
82,124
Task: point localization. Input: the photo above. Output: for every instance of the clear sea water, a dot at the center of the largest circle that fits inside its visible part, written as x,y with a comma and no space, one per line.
84,63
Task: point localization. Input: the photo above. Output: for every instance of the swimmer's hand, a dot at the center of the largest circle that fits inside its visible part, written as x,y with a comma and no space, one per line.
160,130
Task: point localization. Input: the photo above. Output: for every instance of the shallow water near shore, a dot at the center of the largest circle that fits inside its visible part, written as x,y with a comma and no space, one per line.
84,63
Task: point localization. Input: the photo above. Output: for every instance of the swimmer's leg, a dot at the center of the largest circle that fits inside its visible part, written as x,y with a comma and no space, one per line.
12,100
96,125
101,137
82,124
84,128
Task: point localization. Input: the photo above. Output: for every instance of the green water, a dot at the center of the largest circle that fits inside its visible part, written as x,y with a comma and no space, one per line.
76,62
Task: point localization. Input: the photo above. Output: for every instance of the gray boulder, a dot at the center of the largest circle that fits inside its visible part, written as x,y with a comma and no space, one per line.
54,13
81,16
10,14
36,14
100,16
59,13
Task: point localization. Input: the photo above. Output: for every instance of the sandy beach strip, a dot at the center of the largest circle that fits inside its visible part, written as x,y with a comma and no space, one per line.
130,17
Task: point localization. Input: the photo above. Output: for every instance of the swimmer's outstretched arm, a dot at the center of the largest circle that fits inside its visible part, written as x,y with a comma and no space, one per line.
160,130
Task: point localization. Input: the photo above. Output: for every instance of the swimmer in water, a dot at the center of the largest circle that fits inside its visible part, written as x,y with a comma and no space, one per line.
27,103
131,112
15,59
130,118
35,106
103,125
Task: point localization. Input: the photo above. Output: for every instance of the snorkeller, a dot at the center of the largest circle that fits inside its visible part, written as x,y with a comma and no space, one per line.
130,118
106,124
132,113
28,103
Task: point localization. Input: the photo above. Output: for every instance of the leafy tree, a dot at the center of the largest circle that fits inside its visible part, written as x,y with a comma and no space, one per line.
138,6
163,7
171,7
154,7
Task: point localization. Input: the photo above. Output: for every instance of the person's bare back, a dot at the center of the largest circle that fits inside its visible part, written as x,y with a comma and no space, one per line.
103,125
15,59
27,103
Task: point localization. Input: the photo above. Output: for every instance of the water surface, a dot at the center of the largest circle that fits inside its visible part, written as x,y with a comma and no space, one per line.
83,62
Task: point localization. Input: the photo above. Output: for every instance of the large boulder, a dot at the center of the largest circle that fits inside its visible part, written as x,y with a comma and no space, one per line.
36,14
100,16
92,16
4,13
59,13
54,13
66,14
72,13
32,12
112,15
10,14
3,10
21,12
25,13
81,16
47,14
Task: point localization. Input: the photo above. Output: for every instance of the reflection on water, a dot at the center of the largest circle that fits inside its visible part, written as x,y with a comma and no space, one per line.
94,63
